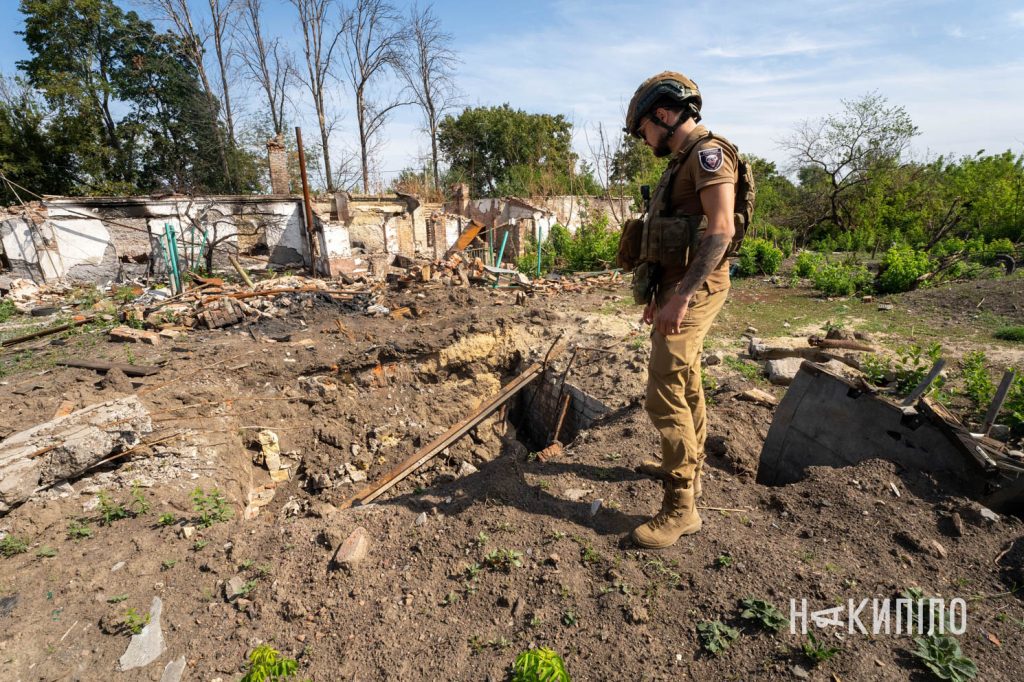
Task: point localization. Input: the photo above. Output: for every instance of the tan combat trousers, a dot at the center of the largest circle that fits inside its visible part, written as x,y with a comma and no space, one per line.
675,393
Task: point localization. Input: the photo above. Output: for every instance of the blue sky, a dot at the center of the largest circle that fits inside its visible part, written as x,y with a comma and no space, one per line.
762,66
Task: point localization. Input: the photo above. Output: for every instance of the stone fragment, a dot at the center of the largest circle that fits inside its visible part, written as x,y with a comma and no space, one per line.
132,335
467,469
576,494
174,670
782,371
234,588
756,395
148,645
352,551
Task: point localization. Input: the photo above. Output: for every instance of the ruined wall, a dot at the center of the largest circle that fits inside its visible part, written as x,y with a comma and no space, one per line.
570,211
100,239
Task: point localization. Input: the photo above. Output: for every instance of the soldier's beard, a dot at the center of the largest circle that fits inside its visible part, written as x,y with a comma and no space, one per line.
661,150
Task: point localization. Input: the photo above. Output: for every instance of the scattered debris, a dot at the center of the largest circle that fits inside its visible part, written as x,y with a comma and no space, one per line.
148,645
353,550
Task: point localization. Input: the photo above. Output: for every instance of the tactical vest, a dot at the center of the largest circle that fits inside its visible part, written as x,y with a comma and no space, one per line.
665,238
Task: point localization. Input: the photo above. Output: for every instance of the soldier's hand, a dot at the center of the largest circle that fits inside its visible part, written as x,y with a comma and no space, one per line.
649,311
670,316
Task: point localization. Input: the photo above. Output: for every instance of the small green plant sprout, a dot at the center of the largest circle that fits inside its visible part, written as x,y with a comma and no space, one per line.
941,654
244,566
267,665
724,560
503,560
472,571
212,508
481,539
167,519
168,564
46,552
117,599
589,555
763,613
110,511
139,504
199,544
247,588
132,622
715,636
450,599
79,530
539,665
817,652
12,545
569,619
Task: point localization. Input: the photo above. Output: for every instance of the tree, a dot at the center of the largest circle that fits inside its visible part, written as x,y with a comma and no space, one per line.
505,151
375,43
31,152
634,165
429,74
320,38
268,62
843,151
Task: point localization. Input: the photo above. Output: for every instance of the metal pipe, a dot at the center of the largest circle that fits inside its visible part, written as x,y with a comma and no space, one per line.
501,255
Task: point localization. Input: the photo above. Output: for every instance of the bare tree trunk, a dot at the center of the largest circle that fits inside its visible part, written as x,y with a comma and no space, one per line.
319,40
269,65
222,13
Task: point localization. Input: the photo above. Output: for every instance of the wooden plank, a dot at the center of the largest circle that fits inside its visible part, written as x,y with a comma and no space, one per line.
419,458
997,401
103,366
46,332
467,236
925,383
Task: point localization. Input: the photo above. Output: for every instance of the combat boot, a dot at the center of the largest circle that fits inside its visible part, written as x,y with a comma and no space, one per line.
652,468
678,517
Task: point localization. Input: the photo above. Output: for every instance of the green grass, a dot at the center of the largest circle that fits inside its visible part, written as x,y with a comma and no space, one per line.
1013,333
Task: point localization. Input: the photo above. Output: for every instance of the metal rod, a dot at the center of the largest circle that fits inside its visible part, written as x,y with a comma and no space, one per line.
539,233
997,401
501,255
561,417
46,332
308,203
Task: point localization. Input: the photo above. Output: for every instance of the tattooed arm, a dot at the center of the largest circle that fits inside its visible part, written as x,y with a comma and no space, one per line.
717,201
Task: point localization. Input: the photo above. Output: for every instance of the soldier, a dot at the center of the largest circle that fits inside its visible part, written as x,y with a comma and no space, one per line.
682,279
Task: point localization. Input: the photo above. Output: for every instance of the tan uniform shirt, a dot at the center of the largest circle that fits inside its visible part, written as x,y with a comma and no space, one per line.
709,163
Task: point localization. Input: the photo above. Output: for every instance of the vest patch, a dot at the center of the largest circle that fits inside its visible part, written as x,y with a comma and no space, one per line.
710,159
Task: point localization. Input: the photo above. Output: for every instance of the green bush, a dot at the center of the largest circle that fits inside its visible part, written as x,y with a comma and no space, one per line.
593,247
807,263
7,309
977,383
1013,407
759,256
836,279
901,268
1015,333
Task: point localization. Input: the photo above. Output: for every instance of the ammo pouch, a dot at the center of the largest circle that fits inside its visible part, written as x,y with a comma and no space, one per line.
645,280
630,241
671,240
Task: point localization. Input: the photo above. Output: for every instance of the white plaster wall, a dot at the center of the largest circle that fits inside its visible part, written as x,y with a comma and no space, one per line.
336,243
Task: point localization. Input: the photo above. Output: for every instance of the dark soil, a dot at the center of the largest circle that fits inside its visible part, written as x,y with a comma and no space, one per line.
426,604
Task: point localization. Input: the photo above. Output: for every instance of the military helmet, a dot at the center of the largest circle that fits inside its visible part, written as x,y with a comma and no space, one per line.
666,85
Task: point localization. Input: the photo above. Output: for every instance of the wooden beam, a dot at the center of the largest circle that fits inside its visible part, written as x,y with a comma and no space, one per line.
925,383
997,401
103,366
421,457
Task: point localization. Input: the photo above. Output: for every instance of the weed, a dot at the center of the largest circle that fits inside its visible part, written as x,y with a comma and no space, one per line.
715,636
79,530
617,586
977,382
110,511
817,652
764,613
124,294
589,555
831,568
569,619
543,485
139,505
1015,333
806,556
504,526
673,578
168,564
199,544
263,571
450,599
941,654
503,560
535,621
539,665
129,355
167,519
267,665
244,566
117,599
46,552
748,370
472,571
11,545
132,622
723,561
212,508
247,588
481,539
7,309
555,536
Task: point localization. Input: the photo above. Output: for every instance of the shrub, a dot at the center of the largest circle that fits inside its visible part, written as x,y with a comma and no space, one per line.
539,665
267,665
901,268
836,279
807,263
715,636
593,247
1015,333
941,654
759,256
977,383
11,545
7,309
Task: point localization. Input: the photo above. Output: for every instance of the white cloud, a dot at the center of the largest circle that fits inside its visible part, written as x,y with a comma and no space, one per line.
955,32
1017,17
